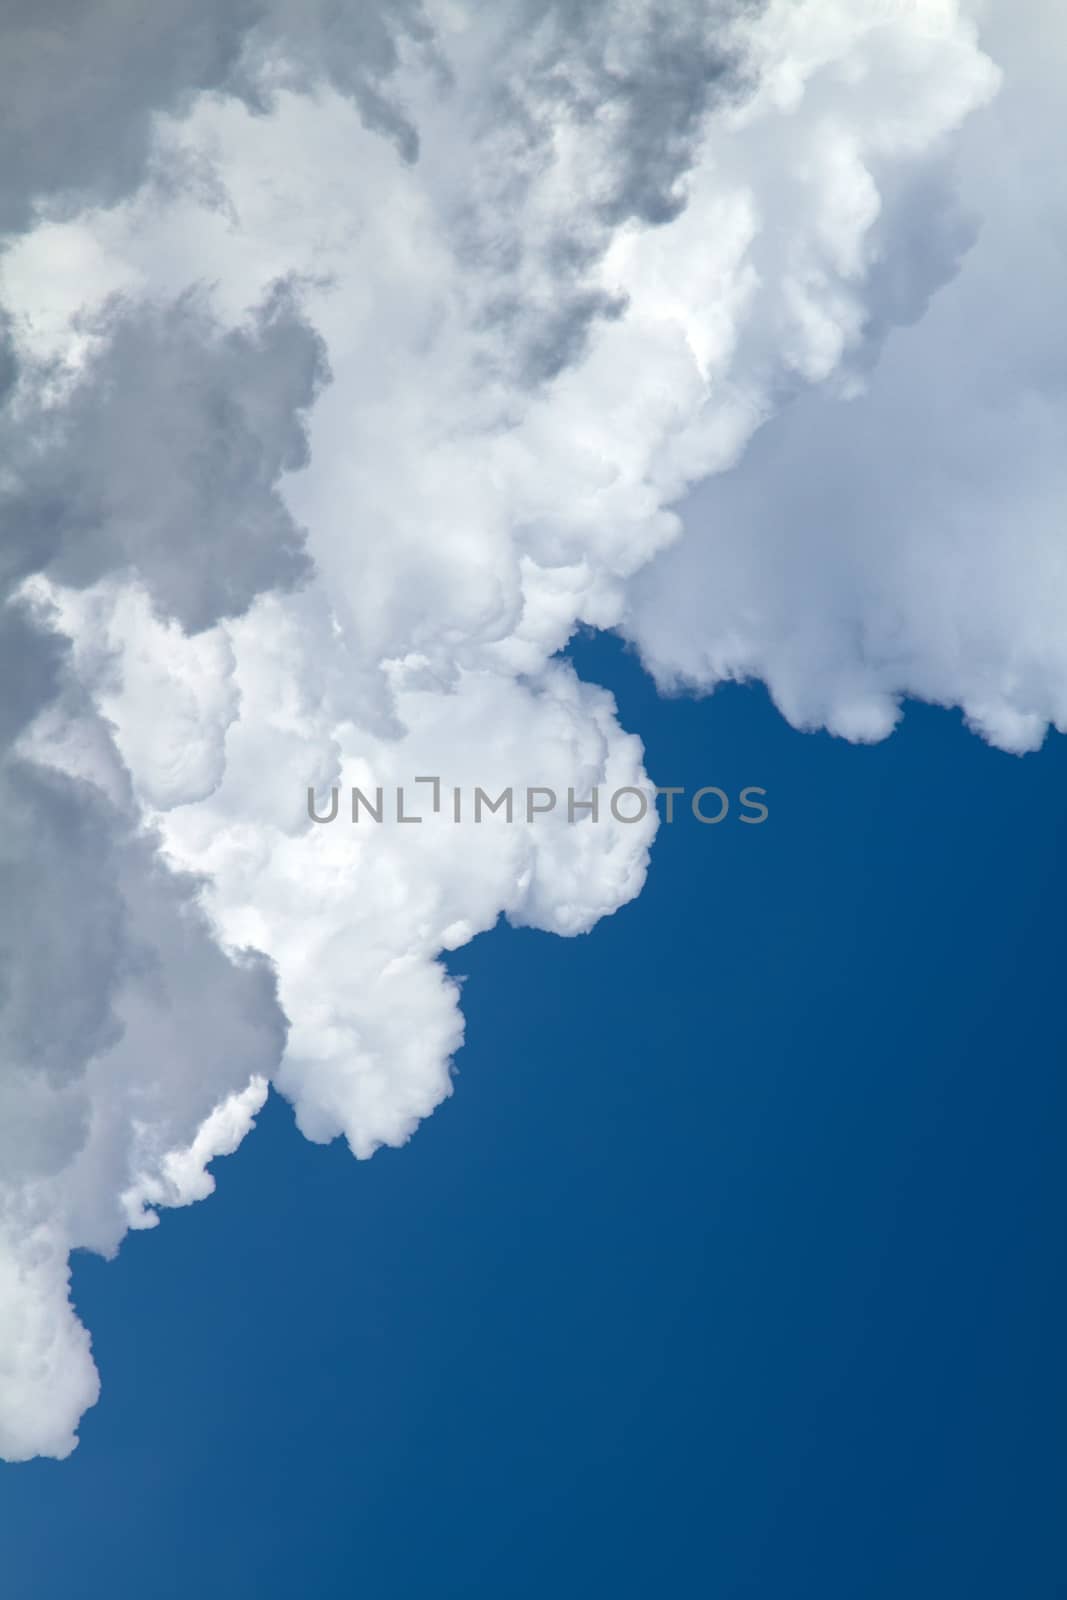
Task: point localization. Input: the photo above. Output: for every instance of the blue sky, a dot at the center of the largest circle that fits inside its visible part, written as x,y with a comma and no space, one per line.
732,1267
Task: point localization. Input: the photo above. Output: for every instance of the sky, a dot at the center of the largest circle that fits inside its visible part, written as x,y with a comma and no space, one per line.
732,1266
414,399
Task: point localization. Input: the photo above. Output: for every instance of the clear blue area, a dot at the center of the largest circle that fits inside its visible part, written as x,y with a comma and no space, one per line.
733,1268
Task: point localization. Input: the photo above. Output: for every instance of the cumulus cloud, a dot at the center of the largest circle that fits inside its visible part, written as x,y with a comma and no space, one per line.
544,268
131,1043
123,1027
904,536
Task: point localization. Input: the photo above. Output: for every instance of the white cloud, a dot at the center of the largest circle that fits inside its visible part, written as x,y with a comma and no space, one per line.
908,539
633,232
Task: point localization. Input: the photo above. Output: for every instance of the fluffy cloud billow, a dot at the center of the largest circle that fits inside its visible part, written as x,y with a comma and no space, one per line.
354,358
904,535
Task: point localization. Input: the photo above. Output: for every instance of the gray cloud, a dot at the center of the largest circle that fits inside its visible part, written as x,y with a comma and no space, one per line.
81,82
61,935
355,47
653,75
635,86
108,970
32,666
166,452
